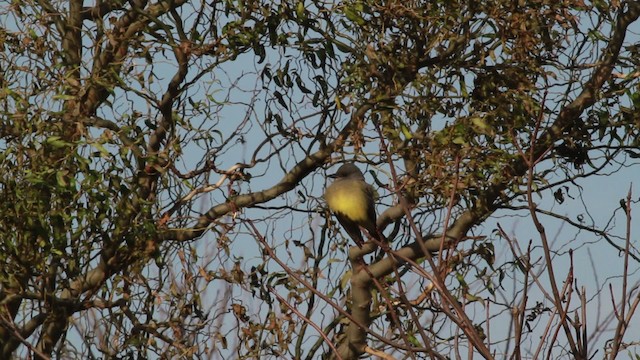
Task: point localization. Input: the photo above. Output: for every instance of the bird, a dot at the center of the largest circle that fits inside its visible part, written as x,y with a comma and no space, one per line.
351,200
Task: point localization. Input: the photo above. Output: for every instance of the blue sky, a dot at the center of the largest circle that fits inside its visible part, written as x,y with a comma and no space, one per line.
241,100
597,265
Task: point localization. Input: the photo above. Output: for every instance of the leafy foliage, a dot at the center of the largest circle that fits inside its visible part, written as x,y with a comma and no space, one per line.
161,168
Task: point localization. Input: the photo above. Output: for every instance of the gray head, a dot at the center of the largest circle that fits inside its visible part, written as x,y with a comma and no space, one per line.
348,171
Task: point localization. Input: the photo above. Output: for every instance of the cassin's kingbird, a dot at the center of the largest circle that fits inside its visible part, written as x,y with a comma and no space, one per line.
350,198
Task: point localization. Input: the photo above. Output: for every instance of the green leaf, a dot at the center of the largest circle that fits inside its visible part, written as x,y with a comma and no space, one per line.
461,280
281,100
60,179
57,142
63,97
459,140
353,14
635,99
406,131
463,88
300,10
480,125
301,86
473,298
103,151
343,47
414,341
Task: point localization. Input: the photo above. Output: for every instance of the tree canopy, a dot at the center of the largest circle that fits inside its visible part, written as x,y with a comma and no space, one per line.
162,166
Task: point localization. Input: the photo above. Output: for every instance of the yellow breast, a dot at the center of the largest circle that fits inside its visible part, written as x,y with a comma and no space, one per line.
349,198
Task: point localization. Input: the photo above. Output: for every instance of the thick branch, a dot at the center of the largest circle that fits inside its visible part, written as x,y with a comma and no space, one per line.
487,201
290,181
109,61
